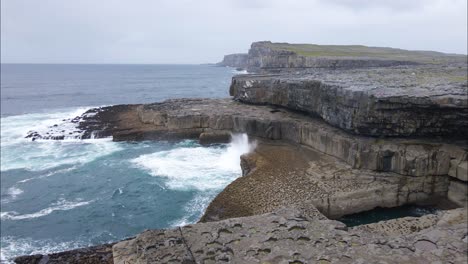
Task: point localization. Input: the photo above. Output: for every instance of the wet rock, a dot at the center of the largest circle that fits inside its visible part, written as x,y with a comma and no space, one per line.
211,137
92,255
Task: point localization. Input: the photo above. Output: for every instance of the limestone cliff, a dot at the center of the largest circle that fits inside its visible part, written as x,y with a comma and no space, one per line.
266,55
393,101
238,60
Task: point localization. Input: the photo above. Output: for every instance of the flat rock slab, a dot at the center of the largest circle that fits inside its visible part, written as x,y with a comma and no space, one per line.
287,236
427,100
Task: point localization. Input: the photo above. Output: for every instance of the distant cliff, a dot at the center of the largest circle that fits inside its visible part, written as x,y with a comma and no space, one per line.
238,60
268,55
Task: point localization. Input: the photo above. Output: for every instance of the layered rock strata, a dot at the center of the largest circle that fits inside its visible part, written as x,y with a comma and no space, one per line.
283,175
189,118
238,60
265,55
404,170
419,101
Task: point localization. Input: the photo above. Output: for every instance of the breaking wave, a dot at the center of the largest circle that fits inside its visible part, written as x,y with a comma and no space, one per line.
61,205
202,168
19,152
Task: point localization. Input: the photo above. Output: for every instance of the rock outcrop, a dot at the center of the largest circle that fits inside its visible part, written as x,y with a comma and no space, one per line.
417,169
398,101
287,175
239,60
288,236
265,55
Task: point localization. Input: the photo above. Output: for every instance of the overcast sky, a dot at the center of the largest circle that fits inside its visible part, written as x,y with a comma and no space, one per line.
199,31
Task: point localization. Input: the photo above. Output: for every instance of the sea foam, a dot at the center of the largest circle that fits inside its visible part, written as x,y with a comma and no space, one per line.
201,168
61,205
19,152
11,194
13,246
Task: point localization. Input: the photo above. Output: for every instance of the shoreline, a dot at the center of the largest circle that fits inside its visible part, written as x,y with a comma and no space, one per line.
267,161
335,136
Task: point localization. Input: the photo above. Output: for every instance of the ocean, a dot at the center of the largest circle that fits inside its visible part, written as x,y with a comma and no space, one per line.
60,195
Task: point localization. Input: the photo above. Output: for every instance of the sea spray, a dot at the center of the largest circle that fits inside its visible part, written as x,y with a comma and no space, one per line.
196,167
239,145
229,161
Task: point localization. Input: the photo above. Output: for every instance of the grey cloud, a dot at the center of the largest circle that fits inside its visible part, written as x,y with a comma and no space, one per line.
189,31
397,5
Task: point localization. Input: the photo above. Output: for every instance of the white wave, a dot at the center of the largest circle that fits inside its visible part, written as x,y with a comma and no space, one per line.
15,128
48,174
19,152
201,168
239,145
194,208
37,156
12,193
61,205
13,247
240,72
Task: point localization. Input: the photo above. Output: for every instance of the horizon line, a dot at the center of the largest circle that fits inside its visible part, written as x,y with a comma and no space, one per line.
105,63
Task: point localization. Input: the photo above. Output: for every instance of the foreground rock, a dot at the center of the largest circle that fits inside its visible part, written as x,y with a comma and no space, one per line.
288,236
92,255
430,101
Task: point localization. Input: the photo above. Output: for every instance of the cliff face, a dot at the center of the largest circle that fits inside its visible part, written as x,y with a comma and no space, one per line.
419,169
396,101
265,55
238,60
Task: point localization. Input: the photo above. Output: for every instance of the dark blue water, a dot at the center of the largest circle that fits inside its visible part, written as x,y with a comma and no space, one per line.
29,88
382,214
58,195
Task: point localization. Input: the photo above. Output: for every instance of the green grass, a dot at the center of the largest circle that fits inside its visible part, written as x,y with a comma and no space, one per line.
313,50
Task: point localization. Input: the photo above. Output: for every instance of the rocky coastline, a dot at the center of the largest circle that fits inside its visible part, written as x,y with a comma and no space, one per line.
339,130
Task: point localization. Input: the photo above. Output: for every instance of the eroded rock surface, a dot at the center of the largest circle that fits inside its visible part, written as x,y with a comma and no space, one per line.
278,175
288,236
397,101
